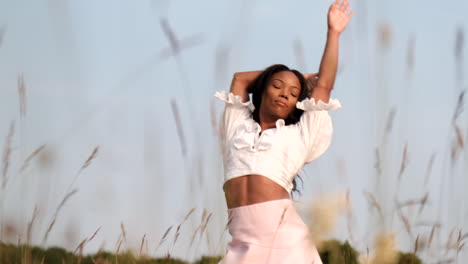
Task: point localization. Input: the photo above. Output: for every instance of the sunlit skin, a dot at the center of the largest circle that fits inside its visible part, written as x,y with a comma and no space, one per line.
279,100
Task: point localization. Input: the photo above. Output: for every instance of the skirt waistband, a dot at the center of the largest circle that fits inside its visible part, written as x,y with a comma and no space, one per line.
273,224
262,204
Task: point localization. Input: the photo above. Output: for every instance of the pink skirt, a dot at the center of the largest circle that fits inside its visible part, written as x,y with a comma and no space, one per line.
269,233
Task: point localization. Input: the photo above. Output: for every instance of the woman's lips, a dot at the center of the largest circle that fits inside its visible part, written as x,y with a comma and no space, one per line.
281,103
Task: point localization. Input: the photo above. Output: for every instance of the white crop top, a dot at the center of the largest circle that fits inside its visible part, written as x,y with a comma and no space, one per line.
278,153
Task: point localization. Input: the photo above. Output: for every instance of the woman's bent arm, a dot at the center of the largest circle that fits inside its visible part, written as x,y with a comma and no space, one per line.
240,82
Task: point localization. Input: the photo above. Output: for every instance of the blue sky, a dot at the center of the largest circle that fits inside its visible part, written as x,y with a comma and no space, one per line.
95,75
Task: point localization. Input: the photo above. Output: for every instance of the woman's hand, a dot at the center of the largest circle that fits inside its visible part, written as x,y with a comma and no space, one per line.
240,83
338,16
311,79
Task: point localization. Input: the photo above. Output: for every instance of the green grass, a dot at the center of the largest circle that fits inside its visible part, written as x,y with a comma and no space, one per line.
331,252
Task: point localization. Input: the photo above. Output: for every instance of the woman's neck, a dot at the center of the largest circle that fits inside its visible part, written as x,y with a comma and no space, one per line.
267,121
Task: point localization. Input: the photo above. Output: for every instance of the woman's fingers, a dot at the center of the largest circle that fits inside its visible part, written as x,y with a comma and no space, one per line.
335,5
310,76
343,5
347,5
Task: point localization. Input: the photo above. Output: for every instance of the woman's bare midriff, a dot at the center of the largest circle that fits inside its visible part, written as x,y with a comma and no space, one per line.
251,189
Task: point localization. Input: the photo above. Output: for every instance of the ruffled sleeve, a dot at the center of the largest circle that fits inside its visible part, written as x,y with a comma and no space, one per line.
316,126
235,111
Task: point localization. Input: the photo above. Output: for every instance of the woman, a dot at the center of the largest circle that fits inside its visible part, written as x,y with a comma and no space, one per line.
267,141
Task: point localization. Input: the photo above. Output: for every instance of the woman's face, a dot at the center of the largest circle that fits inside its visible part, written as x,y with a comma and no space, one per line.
281,95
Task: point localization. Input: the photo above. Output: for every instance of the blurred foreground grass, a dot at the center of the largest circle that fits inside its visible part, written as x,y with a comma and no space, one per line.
331,252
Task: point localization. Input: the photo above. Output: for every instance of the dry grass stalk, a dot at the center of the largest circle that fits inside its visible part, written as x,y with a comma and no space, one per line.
176,45
81,245
213,118
163,238
464,236
421,243
458,143
448,244
405,220
205,224
404,162
124,234
229,221
459,134
142,243
194,235
390,121
460,247
384,37
80,248
119,243
31,156
204,214
30,225
459,106
94,234
54,219
202,228
2,34
373,202
431,235
429,167
84,166
7,154
22,95
188,215
459,43
349,216
177,234
453,153
280,222
377,163
410,54
170,35
427,223
416,245
180,130
365,259
421,202
90,158
184,43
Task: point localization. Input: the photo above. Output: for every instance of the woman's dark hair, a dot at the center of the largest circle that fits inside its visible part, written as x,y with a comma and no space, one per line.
258,86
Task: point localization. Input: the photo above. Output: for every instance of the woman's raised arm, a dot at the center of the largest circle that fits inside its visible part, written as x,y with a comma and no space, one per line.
240,82
338,18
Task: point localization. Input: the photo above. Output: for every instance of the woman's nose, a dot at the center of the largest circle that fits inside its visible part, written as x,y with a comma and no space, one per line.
284,94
